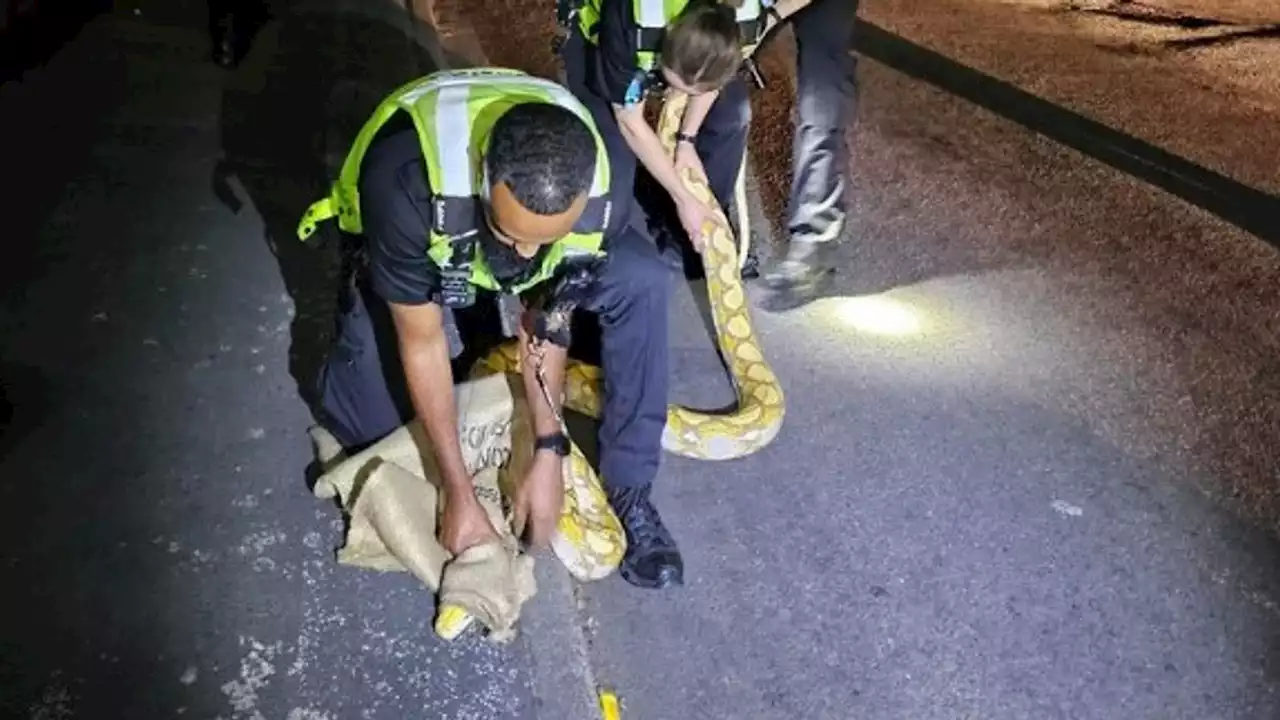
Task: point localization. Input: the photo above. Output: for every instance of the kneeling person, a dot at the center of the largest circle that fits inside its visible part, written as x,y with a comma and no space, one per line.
465,185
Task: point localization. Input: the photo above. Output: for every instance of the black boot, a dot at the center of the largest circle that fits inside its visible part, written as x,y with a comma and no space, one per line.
226,45
800,278
232,27
751,266
652,560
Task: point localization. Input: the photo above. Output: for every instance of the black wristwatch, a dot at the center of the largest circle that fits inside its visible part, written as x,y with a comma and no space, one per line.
686,137
558,443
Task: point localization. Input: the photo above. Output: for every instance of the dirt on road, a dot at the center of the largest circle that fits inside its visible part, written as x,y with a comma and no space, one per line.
1123,64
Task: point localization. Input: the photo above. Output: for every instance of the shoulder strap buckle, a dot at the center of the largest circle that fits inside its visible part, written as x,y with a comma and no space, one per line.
456,290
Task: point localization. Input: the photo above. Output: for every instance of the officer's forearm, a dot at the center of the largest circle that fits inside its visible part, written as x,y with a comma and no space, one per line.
554,359
430,380
696,111
644,142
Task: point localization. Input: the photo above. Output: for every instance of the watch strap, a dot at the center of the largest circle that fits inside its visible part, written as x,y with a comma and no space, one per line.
557,443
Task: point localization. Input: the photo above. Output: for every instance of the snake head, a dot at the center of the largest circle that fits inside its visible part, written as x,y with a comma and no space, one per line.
554,325
553,317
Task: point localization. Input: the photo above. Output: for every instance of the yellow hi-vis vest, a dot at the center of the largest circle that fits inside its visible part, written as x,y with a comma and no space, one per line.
652,18
454,112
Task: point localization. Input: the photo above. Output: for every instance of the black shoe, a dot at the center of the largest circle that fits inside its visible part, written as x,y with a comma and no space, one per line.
751,266
225,48
233,31
800,278
652,560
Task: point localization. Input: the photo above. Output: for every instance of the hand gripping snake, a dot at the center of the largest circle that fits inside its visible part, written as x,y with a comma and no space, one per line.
589,539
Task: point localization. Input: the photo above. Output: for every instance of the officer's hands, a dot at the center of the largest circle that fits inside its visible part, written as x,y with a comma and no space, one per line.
686,158
539,499
464,523
696,217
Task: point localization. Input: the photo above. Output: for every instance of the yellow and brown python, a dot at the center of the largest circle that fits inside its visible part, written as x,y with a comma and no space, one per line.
590,540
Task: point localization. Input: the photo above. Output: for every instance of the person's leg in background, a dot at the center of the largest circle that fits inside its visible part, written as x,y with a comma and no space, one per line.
220,20
631,301
232,25
826,98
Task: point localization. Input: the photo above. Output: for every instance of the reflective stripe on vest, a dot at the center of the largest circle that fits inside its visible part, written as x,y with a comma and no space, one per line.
652,18
453,113
454,110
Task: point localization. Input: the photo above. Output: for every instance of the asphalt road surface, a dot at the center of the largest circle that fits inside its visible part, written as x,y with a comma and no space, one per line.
1004,489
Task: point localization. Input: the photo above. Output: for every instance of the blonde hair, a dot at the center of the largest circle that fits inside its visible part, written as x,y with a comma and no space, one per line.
701,46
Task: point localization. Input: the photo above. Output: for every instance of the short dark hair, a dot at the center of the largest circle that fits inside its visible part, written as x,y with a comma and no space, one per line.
545,154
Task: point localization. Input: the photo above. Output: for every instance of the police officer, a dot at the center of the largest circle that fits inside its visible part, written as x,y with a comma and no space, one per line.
825,94
462,186
619,50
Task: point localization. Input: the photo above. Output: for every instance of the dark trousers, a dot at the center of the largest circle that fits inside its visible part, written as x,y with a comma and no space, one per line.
826,98
721,144
236,22
364,396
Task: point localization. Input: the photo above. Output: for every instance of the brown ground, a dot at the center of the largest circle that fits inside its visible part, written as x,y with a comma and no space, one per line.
1120,71
1242,12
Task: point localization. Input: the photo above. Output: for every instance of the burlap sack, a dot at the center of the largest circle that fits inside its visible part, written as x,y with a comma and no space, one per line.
390,495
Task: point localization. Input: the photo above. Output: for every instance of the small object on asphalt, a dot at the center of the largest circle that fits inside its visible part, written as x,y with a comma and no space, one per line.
452,622
609,708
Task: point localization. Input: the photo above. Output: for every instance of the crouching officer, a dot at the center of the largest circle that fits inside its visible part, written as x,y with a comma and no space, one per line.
617,51
470,184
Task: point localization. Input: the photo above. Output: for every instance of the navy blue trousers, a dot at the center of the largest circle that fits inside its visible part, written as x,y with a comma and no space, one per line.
364,396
